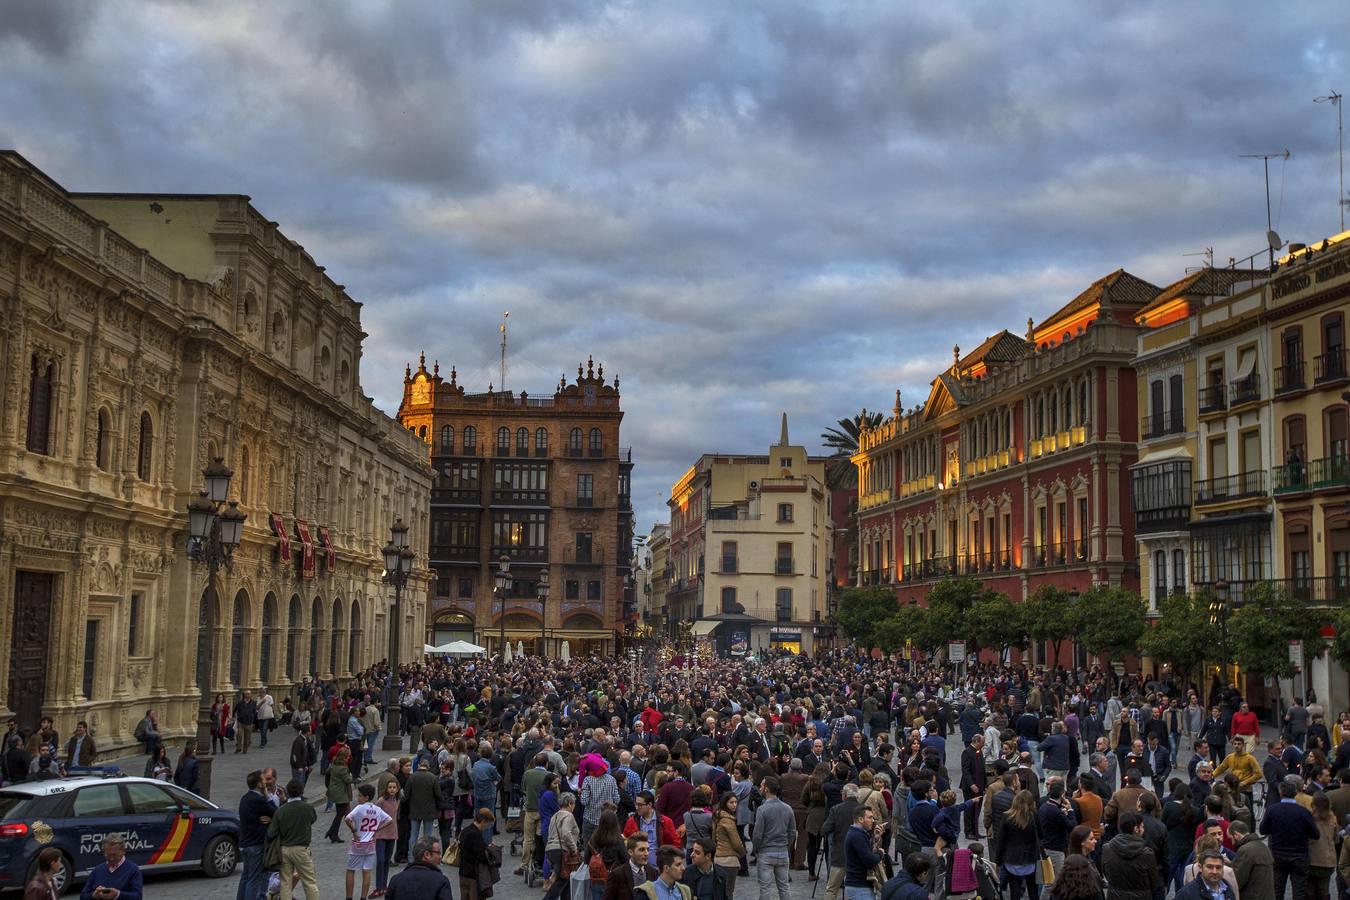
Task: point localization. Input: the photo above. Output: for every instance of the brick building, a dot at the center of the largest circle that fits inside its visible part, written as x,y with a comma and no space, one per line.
542,481
1015,467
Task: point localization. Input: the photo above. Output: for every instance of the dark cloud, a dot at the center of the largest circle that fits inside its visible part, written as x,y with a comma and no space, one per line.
740,208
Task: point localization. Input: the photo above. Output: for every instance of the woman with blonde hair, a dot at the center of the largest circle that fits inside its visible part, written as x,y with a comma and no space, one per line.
1019,846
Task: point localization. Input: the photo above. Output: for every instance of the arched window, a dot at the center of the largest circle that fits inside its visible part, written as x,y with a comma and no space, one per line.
147,448
237,640
103,441
243,476
447,438
541,440
503,439
269,623
335,637
40,382
574,440
422,432
1054,416
315,627
206,626
354,639
470,438
1083,402
596,441
292,636
522,441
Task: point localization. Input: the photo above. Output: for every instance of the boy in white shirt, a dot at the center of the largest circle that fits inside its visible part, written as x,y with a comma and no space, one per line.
364,820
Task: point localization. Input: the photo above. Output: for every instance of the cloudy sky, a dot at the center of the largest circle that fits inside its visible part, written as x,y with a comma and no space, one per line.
740,208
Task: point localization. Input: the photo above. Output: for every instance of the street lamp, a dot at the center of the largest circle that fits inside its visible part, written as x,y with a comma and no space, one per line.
1219,610
503,585
214,531
541,589
398,564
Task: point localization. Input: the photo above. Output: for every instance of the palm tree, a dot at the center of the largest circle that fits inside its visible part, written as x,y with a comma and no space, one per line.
844,441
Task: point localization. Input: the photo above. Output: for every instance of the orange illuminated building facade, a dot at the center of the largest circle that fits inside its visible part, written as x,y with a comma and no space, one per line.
1015,468
542,481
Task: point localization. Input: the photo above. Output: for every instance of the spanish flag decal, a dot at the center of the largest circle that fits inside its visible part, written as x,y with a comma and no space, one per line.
172,848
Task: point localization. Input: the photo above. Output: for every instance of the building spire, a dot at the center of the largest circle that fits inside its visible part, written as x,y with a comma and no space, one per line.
783,434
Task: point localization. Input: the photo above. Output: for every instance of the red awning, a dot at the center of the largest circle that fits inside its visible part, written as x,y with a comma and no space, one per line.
307,569
326,538
283,539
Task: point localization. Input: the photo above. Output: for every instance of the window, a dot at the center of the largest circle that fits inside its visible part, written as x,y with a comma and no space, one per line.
447,438
574,440
188,801
1335,429
784,605
729,600
148,800
784,564
470,438
728,557
1179,571
103,439
592,590
541,440
98,801
585,489
503,439
597,444
465,588
457,528
147,447
1159,575
573,590
134,623
625,481
1332,363
784,462
90,657
583,546
422,432
1218,458
1083,401
785,512
442,583
40,381
522,441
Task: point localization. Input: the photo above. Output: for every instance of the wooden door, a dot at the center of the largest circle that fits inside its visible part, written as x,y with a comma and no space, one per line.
30,646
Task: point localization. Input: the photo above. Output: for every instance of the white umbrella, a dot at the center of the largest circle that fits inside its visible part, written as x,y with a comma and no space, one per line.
520,649
459,648
566,652
427,648
506,653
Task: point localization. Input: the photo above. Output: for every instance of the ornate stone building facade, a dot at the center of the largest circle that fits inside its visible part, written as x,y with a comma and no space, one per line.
143,336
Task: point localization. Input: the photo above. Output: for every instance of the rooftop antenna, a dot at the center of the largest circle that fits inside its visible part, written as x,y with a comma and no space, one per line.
1273,241
1341,201
505,316
1207,253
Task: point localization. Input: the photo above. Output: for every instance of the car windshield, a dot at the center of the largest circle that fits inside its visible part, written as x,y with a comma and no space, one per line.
14,805
191,801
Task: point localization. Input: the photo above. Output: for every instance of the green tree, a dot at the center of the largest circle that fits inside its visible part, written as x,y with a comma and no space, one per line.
995,622
1340,645
1183,634
1049,616
843,441
902,625
1110,621
861,609
1261,627
949,602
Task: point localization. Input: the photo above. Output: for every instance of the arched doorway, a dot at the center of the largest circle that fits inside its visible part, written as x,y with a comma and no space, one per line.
315,632
206,627
269,624
293,636
451,626
237,630
354,661
586,634
335,637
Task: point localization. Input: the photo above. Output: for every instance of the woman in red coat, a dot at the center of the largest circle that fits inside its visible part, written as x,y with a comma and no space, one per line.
220,723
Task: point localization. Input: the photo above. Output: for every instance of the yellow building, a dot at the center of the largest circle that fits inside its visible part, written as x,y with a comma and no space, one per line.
1311,481
765,521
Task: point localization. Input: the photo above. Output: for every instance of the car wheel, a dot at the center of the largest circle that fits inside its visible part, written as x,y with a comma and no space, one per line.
62,881
220,856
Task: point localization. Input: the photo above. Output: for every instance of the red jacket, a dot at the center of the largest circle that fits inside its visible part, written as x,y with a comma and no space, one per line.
1244,723
665,829
650,719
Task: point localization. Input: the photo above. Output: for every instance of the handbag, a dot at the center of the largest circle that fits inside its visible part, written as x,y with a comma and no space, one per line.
451,855
579,883
272,853
1045,871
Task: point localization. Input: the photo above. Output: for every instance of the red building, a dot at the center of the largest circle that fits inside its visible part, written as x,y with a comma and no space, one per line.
1015,468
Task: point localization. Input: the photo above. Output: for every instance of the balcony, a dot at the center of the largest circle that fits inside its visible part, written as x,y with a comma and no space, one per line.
918,485
1231,487
575,556
1320,590
1213,398
1245,390
1161,422
474,450
1289,378
503,450
782,566
454,554
596,452
876,498
575,452
1328,472
582,500
520,554
925,569
541,452
519,497
1330,366
460,496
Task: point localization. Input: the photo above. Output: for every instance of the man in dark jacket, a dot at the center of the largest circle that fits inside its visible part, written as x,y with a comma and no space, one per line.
859,856
908,883
1253,866
422,879
1055,819
1290,829
837,823
704,880
973,782
254,814
1130,869
1210,884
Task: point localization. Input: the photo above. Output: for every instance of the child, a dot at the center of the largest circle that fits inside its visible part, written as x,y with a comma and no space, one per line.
364,821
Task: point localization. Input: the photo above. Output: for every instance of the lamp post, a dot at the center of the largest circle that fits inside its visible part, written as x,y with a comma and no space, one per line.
503,585
541,590
214,531
1219,610
398,563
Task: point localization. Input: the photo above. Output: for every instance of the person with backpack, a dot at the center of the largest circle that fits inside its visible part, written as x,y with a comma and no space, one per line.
660,830
698,821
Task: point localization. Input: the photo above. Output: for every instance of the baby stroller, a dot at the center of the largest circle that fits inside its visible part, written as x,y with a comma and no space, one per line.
513,821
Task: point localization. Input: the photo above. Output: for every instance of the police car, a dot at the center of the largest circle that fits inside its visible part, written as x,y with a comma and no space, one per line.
166,828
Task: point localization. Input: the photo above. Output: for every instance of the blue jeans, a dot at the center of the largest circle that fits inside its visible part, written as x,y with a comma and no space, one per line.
423,828
371,738
384,851
253,880
1174,741
858,893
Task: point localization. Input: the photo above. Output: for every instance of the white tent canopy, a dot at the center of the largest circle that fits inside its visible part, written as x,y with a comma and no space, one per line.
428,648
457,648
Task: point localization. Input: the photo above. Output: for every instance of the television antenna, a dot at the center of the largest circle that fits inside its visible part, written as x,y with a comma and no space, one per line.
1341,201
505,316
1207,253
1272,239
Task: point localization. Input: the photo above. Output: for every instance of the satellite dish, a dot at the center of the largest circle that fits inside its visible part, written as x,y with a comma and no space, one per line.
1273,239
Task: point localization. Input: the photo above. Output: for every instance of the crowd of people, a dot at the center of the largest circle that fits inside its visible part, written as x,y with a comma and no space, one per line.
622,780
